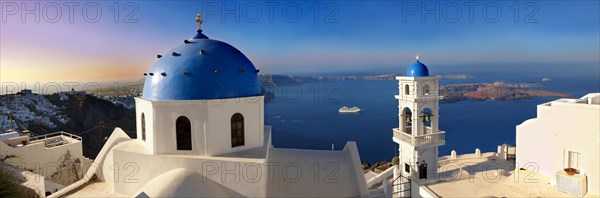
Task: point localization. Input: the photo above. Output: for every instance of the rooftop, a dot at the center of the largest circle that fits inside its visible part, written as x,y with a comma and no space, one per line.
158,179
489,176
49,140
592,98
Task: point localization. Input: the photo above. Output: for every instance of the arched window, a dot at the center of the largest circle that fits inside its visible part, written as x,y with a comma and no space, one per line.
143,127
406,91
237,130
427,116
426,90
407,120
183,133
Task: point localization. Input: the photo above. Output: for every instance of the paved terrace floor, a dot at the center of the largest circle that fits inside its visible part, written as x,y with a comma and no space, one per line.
96,189
488,176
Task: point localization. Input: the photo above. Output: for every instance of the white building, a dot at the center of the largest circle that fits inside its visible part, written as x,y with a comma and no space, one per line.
565,134
201,132
58,157
418,136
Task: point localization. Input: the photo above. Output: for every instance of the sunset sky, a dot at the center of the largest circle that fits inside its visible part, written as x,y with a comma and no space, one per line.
342,37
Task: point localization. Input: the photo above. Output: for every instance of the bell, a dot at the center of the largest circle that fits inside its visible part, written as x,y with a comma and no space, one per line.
427,118
408,119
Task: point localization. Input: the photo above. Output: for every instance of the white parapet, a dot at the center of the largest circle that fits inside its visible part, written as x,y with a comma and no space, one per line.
499,152
381,176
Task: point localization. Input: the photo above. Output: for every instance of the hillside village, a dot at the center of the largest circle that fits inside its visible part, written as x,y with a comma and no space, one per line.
25,108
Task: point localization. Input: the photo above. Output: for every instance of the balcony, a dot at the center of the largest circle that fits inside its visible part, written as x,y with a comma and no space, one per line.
418,97
438,138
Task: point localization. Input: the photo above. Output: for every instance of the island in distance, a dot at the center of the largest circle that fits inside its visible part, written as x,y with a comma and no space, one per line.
495,91
450,92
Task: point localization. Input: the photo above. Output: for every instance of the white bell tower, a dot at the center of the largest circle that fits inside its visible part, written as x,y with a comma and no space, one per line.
418,136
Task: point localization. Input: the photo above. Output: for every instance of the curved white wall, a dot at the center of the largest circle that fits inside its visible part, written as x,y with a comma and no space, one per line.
210,120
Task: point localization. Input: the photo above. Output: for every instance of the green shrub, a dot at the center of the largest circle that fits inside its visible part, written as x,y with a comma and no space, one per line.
8,188
395,160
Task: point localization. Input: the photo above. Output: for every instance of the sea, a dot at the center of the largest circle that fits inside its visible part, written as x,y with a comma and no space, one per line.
306,115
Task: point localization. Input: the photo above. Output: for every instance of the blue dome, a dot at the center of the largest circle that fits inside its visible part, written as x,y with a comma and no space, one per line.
201,69
417,69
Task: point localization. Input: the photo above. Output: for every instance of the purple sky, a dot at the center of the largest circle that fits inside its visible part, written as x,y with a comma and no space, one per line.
342,37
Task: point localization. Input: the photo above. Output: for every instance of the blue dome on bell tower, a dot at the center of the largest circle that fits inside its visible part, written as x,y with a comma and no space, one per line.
201,69
417,69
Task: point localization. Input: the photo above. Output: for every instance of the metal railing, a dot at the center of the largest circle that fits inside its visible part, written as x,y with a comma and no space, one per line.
49,135
424,97
402,186
429,138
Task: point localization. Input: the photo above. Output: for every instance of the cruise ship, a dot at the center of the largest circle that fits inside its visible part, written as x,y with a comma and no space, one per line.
345,109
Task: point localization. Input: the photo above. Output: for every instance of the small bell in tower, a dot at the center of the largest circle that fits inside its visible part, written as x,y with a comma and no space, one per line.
427,117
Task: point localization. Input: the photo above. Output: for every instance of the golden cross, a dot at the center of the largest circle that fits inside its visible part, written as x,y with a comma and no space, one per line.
199,20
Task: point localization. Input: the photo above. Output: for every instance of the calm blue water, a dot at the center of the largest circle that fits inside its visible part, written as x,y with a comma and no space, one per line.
306,116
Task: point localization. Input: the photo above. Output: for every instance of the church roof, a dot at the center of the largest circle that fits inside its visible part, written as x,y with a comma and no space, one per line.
199,69
417,69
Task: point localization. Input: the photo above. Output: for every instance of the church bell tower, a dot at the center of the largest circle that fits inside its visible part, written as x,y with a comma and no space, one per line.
418,136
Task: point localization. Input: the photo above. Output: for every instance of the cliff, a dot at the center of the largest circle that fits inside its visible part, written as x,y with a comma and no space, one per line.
495,91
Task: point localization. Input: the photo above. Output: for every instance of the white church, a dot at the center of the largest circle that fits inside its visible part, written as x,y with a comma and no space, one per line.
201,133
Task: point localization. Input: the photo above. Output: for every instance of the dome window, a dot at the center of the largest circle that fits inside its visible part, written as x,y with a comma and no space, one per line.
163,74
176,54
145,74
237,130
158,56
186,73
151,74
183,130
256,71
202,52
186,41
143,127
